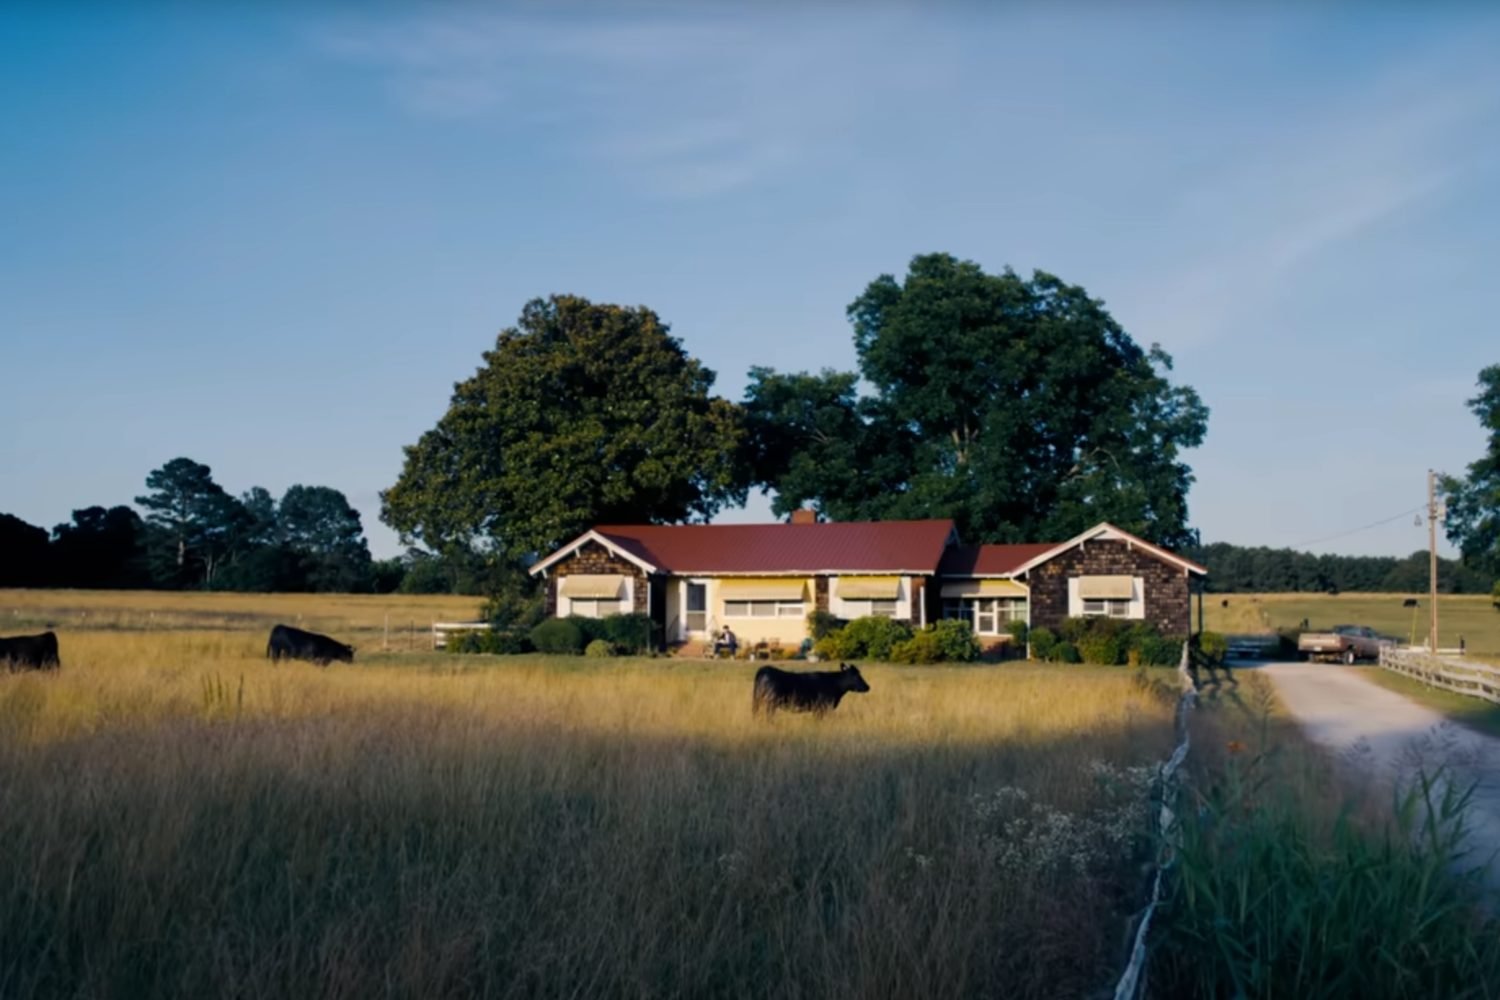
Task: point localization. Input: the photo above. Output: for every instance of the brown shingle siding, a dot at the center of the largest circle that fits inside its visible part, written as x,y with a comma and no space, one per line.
594,558
1168,596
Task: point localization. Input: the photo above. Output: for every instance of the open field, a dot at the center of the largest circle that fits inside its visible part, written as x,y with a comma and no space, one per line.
1470,616
359,618
178,817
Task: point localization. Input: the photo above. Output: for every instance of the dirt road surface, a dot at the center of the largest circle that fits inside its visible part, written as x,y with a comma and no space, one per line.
1391,738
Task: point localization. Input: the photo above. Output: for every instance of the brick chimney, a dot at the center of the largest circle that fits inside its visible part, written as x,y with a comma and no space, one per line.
804,515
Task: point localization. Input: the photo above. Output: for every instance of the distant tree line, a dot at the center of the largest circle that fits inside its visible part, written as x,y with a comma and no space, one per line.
196,535
1260,570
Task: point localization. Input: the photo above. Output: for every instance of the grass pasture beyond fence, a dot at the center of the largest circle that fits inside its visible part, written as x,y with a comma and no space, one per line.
359,618
1471,616
179,817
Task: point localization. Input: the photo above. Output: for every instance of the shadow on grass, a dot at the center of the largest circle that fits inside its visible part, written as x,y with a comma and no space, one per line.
430,853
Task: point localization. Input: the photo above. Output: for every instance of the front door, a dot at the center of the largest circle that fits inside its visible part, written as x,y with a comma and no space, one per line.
695,603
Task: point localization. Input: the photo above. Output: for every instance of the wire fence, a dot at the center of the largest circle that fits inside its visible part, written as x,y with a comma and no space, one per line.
1133,980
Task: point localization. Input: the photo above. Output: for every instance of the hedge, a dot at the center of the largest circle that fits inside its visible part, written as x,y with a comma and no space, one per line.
870,637
1107,642
558,635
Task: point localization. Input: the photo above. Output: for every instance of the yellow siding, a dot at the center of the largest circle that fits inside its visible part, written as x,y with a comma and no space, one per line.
788,632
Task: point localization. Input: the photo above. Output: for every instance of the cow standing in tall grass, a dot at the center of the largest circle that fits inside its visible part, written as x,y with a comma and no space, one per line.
817,691
30,652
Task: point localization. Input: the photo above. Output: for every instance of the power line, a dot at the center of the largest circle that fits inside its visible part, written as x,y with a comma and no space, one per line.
1366,527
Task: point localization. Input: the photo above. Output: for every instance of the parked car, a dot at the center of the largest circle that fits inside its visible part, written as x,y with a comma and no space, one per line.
1345,643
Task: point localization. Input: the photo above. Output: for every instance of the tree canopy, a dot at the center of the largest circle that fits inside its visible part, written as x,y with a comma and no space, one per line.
1018,407
192,520
325,535
197,534
1474,501
582,413
24,545
1257,569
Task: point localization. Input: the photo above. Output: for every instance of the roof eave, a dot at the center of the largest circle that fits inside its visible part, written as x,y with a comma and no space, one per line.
1132,540
592,535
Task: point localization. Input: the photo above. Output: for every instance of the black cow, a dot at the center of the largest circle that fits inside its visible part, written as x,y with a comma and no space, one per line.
30,652
295,644
816,691
1410,602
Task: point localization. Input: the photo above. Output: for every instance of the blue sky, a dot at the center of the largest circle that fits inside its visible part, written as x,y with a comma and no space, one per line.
271,237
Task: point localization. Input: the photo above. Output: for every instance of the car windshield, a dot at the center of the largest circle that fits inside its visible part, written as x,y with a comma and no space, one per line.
1348,630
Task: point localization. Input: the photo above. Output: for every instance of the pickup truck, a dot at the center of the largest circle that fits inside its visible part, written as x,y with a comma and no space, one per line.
1345,643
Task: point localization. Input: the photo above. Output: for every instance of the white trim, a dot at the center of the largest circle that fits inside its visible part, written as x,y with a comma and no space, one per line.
626,602
840,606
684,633
1136,605
1108,531
582,540
727,574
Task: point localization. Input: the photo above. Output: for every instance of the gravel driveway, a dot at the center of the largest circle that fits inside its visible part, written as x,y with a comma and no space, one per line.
1391,737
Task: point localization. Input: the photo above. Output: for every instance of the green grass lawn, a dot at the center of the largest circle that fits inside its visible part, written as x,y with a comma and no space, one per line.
1476,713
1472,617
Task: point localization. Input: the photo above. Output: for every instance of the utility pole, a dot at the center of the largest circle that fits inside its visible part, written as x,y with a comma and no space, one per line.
1432,565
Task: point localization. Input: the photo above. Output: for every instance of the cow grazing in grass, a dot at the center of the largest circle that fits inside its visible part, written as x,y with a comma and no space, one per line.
816,691
295,644
30,652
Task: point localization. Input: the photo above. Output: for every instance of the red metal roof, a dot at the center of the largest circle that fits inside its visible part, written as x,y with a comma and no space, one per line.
853,547
991,560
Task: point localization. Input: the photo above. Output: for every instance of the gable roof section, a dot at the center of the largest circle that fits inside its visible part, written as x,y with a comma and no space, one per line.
990,560
1108,531
592,535
914,547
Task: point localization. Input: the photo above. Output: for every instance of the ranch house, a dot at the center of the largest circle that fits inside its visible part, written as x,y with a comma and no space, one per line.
762,580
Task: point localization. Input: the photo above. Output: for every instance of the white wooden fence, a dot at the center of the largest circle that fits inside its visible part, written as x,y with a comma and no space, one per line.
442,631
1444,670
1132,982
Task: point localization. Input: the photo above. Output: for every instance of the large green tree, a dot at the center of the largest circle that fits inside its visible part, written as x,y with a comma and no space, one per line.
193,523
100,548
318,525
24,555
582,413
1474,501
1018,407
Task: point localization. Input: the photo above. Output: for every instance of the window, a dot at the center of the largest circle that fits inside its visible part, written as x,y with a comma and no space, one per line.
860,608
986,615
763,609
589,607
1106,608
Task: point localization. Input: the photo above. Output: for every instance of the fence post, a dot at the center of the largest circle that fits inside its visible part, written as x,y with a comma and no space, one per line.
1133,980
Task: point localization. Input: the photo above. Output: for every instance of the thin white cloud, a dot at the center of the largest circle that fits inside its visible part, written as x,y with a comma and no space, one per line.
685,105
1318,184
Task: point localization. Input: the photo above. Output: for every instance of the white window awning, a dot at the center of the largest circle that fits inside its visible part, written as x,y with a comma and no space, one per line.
1106,588
763,589
591,586
984,588
869,588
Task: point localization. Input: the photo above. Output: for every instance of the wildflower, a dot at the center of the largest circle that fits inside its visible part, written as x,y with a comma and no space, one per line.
1235,746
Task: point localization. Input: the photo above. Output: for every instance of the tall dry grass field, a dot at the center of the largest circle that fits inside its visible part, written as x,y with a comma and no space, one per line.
178,817
400,621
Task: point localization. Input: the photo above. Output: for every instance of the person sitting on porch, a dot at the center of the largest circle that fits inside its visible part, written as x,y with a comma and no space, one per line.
726,642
